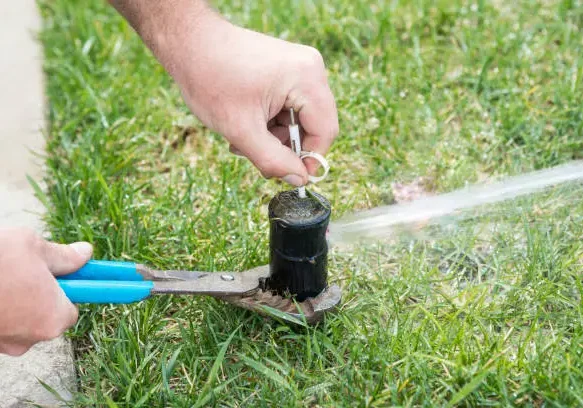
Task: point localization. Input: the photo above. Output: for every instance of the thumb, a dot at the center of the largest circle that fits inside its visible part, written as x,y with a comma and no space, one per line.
63,259
273,159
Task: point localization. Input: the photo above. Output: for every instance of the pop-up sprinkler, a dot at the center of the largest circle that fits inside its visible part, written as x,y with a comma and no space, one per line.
297,245
297,240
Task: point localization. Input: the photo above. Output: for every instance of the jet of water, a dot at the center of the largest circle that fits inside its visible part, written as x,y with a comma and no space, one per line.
382,221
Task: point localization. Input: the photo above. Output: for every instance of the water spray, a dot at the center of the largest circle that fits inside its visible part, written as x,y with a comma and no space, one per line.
383,222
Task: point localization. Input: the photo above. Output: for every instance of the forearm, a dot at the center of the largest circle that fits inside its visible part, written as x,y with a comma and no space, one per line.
171,29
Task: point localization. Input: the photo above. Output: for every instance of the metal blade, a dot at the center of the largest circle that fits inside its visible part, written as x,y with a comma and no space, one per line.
213,284
155,275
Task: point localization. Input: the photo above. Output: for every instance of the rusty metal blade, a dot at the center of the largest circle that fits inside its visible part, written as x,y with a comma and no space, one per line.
311,309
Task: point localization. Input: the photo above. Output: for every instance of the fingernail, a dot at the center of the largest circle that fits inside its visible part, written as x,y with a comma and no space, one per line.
294,180
84,249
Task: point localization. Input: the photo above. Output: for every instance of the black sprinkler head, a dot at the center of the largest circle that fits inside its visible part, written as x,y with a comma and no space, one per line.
298,245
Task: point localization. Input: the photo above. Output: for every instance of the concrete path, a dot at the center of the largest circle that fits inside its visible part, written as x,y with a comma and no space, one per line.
21,119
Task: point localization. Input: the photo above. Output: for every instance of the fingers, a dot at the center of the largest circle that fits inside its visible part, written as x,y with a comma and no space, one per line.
62,259
281,133
63,315
69,313
34,307
283,118
319,119
49,316
279,128
13,348
271,157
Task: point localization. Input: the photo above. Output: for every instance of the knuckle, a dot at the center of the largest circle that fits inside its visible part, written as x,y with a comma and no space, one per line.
31,239
15,350
312,59
236,138
49,331
55,326
237,130
268,167
73,317
334,130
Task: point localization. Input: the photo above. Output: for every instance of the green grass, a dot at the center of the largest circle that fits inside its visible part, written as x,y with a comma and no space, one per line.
454,91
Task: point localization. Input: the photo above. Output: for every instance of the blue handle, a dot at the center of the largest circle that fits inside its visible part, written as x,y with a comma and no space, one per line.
106,271
96,291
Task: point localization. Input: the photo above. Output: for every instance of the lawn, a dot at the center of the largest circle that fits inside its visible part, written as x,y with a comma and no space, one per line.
489,312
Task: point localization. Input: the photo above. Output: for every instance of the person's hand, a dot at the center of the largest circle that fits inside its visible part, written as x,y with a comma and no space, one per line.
33,307
245,88
241,83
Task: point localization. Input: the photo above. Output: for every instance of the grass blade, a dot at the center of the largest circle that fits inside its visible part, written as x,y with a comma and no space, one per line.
168,368
267,372
212,377
468,388
39,193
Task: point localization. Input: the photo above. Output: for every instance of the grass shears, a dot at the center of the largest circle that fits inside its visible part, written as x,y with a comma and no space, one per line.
118,282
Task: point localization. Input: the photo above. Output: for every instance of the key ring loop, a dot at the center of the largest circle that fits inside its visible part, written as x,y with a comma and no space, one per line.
320,159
